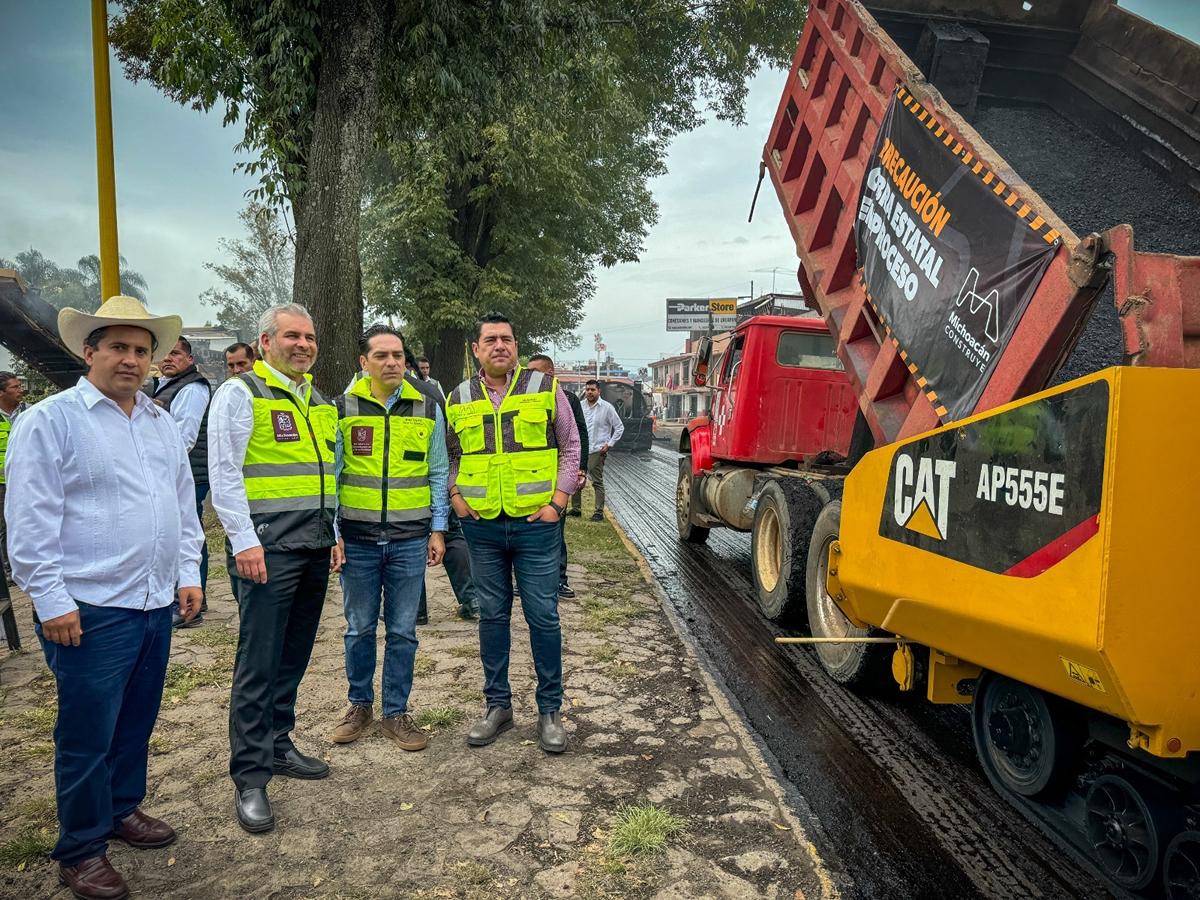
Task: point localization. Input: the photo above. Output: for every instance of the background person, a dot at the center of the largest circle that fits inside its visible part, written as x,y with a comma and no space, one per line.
12,395
391,468
102,506
604,429
270,460
423,373
514,461
239,358
184,393
544,364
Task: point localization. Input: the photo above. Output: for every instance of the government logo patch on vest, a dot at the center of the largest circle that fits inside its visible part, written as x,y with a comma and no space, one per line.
362,440
284,423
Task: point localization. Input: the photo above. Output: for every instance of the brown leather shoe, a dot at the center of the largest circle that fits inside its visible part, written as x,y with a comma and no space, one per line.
404,732
144,832
353,724
94,879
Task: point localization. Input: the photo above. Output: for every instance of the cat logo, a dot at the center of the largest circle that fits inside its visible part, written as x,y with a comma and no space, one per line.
921,502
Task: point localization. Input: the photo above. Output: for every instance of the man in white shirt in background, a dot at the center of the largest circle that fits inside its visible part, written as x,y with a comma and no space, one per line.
184,393
604,428
423,374
101,507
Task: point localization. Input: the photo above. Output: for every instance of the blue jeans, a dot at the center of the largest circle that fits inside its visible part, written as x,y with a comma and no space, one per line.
395,571
109,691
501,548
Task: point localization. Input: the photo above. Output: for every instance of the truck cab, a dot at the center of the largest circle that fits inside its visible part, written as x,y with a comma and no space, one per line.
773,450
780,395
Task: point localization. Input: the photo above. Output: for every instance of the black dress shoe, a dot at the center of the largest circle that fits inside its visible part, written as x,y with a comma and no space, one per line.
295,764
254,810
422,618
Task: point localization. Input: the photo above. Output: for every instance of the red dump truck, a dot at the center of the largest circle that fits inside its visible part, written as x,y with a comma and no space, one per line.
975,479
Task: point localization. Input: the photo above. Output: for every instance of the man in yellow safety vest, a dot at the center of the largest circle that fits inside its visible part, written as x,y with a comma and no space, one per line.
514,462
12,392
271,438
391,469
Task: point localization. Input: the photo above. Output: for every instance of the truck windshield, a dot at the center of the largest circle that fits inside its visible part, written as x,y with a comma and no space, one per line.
804,349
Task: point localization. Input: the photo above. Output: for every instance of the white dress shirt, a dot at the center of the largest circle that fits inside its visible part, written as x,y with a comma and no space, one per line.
603,424
188,409
101,508
230,423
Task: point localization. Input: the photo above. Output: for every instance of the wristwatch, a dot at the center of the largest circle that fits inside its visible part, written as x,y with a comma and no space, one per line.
561,510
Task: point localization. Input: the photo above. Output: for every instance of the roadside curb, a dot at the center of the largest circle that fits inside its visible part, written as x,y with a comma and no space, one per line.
825,879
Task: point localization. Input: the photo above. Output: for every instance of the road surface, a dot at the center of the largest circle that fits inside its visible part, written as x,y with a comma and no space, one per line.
888,786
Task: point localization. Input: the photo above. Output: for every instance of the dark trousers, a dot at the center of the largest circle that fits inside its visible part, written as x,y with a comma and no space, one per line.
595,471
502,548
562,552
201,493
109,691
4,563
458,568
278,624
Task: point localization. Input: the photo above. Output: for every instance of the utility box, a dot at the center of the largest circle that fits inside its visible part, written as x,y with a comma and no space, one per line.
953,57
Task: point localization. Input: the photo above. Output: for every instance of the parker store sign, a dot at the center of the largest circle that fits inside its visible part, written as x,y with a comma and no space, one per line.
950,256
699,315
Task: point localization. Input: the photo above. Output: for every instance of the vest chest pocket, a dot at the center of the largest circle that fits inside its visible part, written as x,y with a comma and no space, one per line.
529,426
470,433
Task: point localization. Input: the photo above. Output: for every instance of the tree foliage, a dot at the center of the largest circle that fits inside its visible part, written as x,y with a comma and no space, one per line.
77,286
510,202
518,137
258,273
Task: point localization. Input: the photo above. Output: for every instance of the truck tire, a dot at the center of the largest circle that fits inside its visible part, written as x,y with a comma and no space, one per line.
783,526
684,495
848,664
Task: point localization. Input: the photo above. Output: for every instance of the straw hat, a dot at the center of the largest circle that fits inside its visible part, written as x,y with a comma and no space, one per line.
74,326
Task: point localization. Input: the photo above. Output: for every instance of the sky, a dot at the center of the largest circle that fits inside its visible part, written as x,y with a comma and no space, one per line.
178,191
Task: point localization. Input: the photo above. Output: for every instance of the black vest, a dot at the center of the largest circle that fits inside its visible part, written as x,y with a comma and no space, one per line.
198,456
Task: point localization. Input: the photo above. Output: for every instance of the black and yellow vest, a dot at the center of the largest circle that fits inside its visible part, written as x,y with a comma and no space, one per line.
383,488
288,469
509,458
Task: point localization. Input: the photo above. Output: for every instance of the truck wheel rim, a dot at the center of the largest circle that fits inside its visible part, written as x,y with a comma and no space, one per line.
1181,867
1017,736
1122,832
768,550
830,621
683,499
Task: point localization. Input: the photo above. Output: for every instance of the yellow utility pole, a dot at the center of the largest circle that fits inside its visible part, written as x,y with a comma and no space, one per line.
110,274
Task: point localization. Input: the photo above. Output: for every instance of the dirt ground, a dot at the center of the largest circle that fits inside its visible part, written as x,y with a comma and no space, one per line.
646,728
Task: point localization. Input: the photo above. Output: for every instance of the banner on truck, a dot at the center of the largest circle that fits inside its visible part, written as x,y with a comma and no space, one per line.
950,254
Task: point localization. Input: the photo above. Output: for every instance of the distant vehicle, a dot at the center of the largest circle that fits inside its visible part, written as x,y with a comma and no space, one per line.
632,401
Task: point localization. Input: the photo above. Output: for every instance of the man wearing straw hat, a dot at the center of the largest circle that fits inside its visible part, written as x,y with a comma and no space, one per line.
102,510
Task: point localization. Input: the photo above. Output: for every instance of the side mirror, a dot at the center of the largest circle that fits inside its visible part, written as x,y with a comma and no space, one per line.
703,356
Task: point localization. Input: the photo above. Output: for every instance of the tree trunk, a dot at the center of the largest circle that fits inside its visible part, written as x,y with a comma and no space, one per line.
328,278
447,350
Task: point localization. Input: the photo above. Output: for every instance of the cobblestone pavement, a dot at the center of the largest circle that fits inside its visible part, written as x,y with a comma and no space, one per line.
646,726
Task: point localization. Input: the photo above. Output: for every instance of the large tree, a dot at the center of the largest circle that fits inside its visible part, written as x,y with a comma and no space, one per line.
257,271
306,78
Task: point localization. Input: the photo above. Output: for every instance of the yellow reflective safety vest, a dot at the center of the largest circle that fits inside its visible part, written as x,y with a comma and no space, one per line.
5,429
288,469
509,458
383,487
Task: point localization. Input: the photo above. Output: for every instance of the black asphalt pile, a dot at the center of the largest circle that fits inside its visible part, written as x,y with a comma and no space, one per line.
1093,185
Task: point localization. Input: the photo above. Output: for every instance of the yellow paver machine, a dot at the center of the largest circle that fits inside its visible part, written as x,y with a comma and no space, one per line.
1024,546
